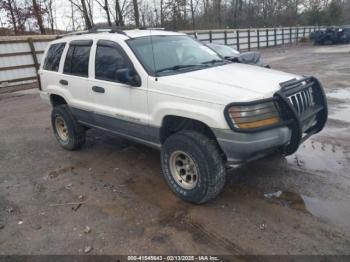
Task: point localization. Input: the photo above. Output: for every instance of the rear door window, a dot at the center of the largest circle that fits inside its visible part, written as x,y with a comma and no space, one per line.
53,57
77,59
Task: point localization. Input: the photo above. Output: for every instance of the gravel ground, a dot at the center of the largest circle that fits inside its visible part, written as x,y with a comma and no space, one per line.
110,197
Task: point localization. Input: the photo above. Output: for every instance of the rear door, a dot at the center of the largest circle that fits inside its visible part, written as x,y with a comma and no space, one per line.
75,78
117,106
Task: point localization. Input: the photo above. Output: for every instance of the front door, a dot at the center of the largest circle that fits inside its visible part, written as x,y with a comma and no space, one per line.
117,106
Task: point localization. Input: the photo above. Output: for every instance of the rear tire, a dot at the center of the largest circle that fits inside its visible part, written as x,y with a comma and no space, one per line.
68,132
193,166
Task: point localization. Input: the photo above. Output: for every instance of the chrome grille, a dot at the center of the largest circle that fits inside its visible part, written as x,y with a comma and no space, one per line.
303,100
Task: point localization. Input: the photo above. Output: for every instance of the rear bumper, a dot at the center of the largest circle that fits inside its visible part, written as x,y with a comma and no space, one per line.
45,97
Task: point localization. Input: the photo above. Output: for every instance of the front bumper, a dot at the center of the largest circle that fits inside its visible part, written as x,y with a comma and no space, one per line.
303,108
242,147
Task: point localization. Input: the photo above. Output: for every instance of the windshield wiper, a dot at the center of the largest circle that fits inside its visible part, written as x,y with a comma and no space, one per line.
232,58
214,61
175,68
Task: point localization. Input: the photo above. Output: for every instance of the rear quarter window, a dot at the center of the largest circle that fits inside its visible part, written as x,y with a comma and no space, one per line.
53,57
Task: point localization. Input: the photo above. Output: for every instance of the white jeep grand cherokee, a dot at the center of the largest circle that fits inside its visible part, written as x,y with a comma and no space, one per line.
169,91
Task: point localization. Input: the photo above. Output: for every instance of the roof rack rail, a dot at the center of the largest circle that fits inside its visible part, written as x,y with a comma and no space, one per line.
112,29
95,30
158,28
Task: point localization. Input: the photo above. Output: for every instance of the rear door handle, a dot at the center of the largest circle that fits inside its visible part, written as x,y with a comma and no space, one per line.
63,82
98,89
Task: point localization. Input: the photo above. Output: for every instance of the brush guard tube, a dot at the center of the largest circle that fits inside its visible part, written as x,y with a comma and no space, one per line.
303,105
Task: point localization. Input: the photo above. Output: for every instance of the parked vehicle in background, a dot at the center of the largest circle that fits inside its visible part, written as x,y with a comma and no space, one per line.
171,92
231,54
331,35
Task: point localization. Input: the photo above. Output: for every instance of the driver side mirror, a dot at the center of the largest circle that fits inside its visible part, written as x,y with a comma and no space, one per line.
128,76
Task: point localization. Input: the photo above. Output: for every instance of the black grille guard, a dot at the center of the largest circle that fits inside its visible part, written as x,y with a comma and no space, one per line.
303,113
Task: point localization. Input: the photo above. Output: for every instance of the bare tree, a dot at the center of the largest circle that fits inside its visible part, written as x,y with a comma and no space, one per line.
17,15
161,12
8,6
38,15
217,11
193,15
180,14
89,4
136,13
206,6
86,15
119,19
72,17
236,7
50,14
105,7
82,7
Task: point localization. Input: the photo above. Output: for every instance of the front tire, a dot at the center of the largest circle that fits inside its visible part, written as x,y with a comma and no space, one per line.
193,166
68,132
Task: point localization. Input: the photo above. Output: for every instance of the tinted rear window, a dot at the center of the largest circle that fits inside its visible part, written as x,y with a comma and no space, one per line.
53,57
77,60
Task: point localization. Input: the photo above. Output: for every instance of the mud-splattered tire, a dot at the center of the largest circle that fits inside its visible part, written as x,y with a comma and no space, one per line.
200,157
68,132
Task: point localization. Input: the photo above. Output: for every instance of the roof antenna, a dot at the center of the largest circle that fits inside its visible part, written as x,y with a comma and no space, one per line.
154,58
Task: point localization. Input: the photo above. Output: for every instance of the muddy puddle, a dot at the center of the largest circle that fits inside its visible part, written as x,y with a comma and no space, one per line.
340,104
324,155
340,94
334,212
341,113
317,156
333,50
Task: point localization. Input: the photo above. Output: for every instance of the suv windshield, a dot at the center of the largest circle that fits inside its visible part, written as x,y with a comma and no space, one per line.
173,54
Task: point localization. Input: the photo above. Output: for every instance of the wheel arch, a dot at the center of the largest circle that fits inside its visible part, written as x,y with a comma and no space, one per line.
172,124
57,100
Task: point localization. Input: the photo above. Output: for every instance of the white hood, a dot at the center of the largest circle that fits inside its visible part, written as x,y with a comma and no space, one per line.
229,83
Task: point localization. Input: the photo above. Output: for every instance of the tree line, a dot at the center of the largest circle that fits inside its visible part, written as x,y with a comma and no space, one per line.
21,16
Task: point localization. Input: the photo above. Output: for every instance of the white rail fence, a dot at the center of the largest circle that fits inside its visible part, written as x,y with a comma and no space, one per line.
247,39
20,57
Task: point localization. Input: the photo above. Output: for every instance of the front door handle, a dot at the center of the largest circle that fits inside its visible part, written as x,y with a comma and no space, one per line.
63,82
98,89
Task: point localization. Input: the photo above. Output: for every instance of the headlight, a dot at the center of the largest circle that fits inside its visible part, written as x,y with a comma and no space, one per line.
253,116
